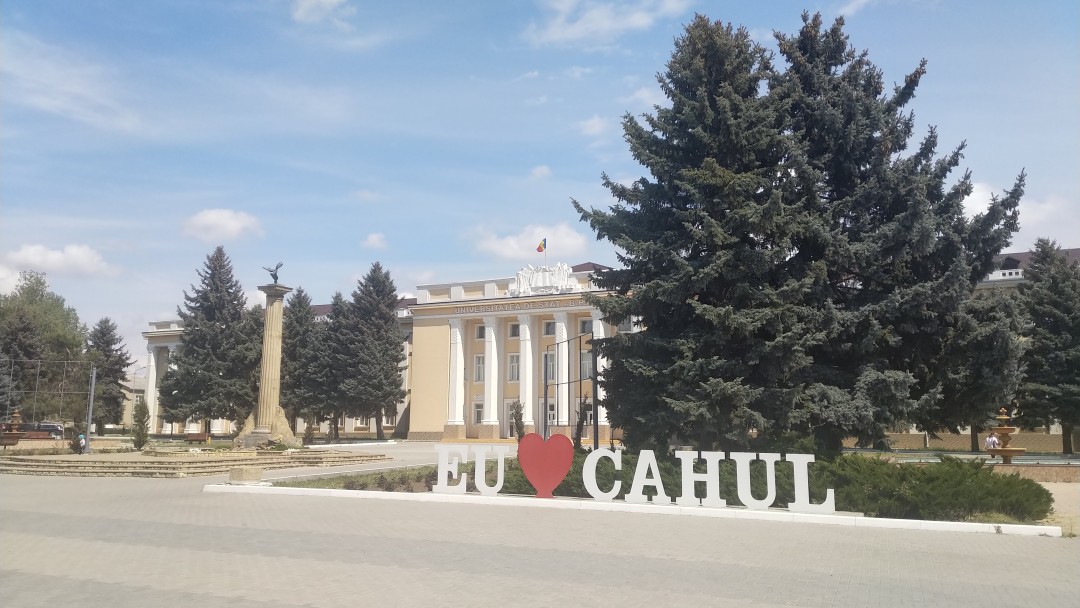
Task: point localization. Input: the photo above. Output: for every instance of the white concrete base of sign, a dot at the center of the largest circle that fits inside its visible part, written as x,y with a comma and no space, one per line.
592,505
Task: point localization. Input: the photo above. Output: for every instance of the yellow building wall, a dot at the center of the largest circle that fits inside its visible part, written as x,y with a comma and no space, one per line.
430,378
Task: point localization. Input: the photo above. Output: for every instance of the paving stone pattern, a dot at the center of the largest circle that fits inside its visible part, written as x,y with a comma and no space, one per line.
123,542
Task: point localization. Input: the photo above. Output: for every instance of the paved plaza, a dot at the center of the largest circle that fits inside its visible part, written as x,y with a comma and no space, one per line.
122,542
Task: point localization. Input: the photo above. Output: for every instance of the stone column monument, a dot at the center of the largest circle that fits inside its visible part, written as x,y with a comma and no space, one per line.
268,423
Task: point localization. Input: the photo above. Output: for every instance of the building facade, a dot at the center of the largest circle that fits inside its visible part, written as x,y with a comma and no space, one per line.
480,347
163,340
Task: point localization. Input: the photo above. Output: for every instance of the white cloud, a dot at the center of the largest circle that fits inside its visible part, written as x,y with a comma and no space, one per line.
375,240
216,225
61,82
72,260
540,172
254,296
577,72
537,101
563,243
9,278
316,11
595,24
527,76
330,22
647,96
367,196
1050,216
852,7
593,126
979,199
1053,216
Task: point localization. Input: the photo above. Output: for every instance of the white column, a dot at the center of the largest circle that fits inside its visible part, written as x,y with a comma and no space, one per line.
492,381
562,371
456,409
526,382
151,395
601,364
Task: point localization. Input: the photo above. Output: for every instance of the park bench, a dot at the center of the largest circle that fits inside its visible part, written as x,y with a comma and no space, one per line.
196,437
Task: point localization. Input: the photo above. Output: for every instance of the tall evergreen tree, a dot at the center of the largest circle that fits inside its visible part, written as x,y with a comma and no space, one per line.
789,268
342,348
107,352
1051,387
213,373
984,370
376,386
304,361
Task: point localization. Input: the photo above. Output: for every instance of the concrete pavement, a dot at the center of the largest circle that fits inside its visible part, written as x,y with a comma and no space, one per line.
122,542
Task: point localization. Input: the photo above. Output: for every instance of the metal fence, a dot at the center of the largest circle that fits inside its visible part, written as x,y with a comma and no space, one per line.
45,390
581,400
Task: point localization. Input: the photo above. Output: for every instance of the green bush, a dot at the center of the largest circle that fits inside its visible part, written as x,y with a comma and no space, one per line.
140,418
952,489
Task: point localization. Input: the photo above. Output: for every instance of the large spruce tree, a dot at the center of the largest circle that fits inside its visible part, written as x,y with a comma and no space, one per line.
1051,387
342,348
376,384
983,362
107,352
304,361
789,266
214,372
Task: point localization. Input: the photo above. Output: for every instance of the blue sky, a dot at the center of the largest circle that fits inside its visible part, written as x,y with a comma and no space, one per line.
443,139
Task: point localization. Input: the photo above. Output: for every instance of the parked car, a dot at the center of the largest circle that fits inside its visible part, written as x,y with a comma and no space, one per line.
55,429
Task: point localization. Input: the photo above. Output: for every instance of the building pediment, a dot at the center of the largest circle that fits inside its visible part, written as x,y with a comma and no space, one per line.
541,280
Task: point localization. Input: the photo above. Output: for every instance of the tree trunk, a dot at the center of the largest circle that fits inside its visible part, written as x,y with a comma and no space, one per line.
1066,438
378,424
974,439
332,436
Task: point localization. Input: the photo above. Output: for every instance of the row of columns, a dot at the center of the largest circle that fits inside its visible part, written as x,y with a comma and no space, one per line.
527,384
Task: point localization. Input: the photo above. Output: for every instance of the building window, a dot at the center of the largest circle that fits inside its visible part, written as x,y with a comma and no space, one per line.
586,412
585,326
549,367
513,365
549,328
586,364
515,330
478,413
479,332
478,369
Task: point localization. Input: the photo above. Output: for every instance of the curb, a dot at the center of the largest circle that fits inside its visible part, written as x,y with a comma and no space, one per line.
857,521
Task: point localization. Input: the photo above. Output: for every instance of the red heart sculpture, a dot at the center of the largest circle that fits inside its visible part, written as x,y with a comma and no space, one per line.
545,463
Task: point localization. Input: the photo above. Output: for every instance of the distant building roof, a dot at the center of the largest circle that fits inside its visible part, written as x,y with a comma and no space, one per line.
1020,260
589,267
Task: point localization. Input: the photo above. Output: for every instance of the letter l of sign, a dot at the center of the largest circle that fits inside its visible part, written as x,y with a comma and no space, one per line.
802,504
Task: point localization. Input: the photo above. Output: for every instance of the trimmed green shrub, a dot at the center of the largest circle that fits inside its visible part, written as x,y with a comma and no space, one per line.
952,489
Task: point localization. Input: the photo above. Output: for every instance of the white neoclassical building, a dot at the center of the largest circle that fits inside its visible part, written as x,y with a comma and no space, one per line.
481,346
473,349
163,339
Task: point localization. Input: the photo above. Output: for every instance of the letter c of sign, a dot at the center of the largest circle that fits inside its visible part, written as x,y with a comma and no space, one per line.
588,474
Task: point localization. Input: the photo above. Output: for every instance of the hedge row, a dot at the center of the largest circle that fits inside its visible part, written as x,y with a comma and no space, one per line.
952,489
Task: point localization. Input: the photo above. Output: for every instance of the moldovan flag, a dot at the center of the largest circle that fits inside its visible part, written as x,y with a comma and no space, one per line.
542,247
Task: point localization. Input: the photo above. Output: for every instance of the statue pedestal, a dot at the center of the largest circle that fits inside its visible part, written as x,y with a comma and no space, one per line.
268,423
